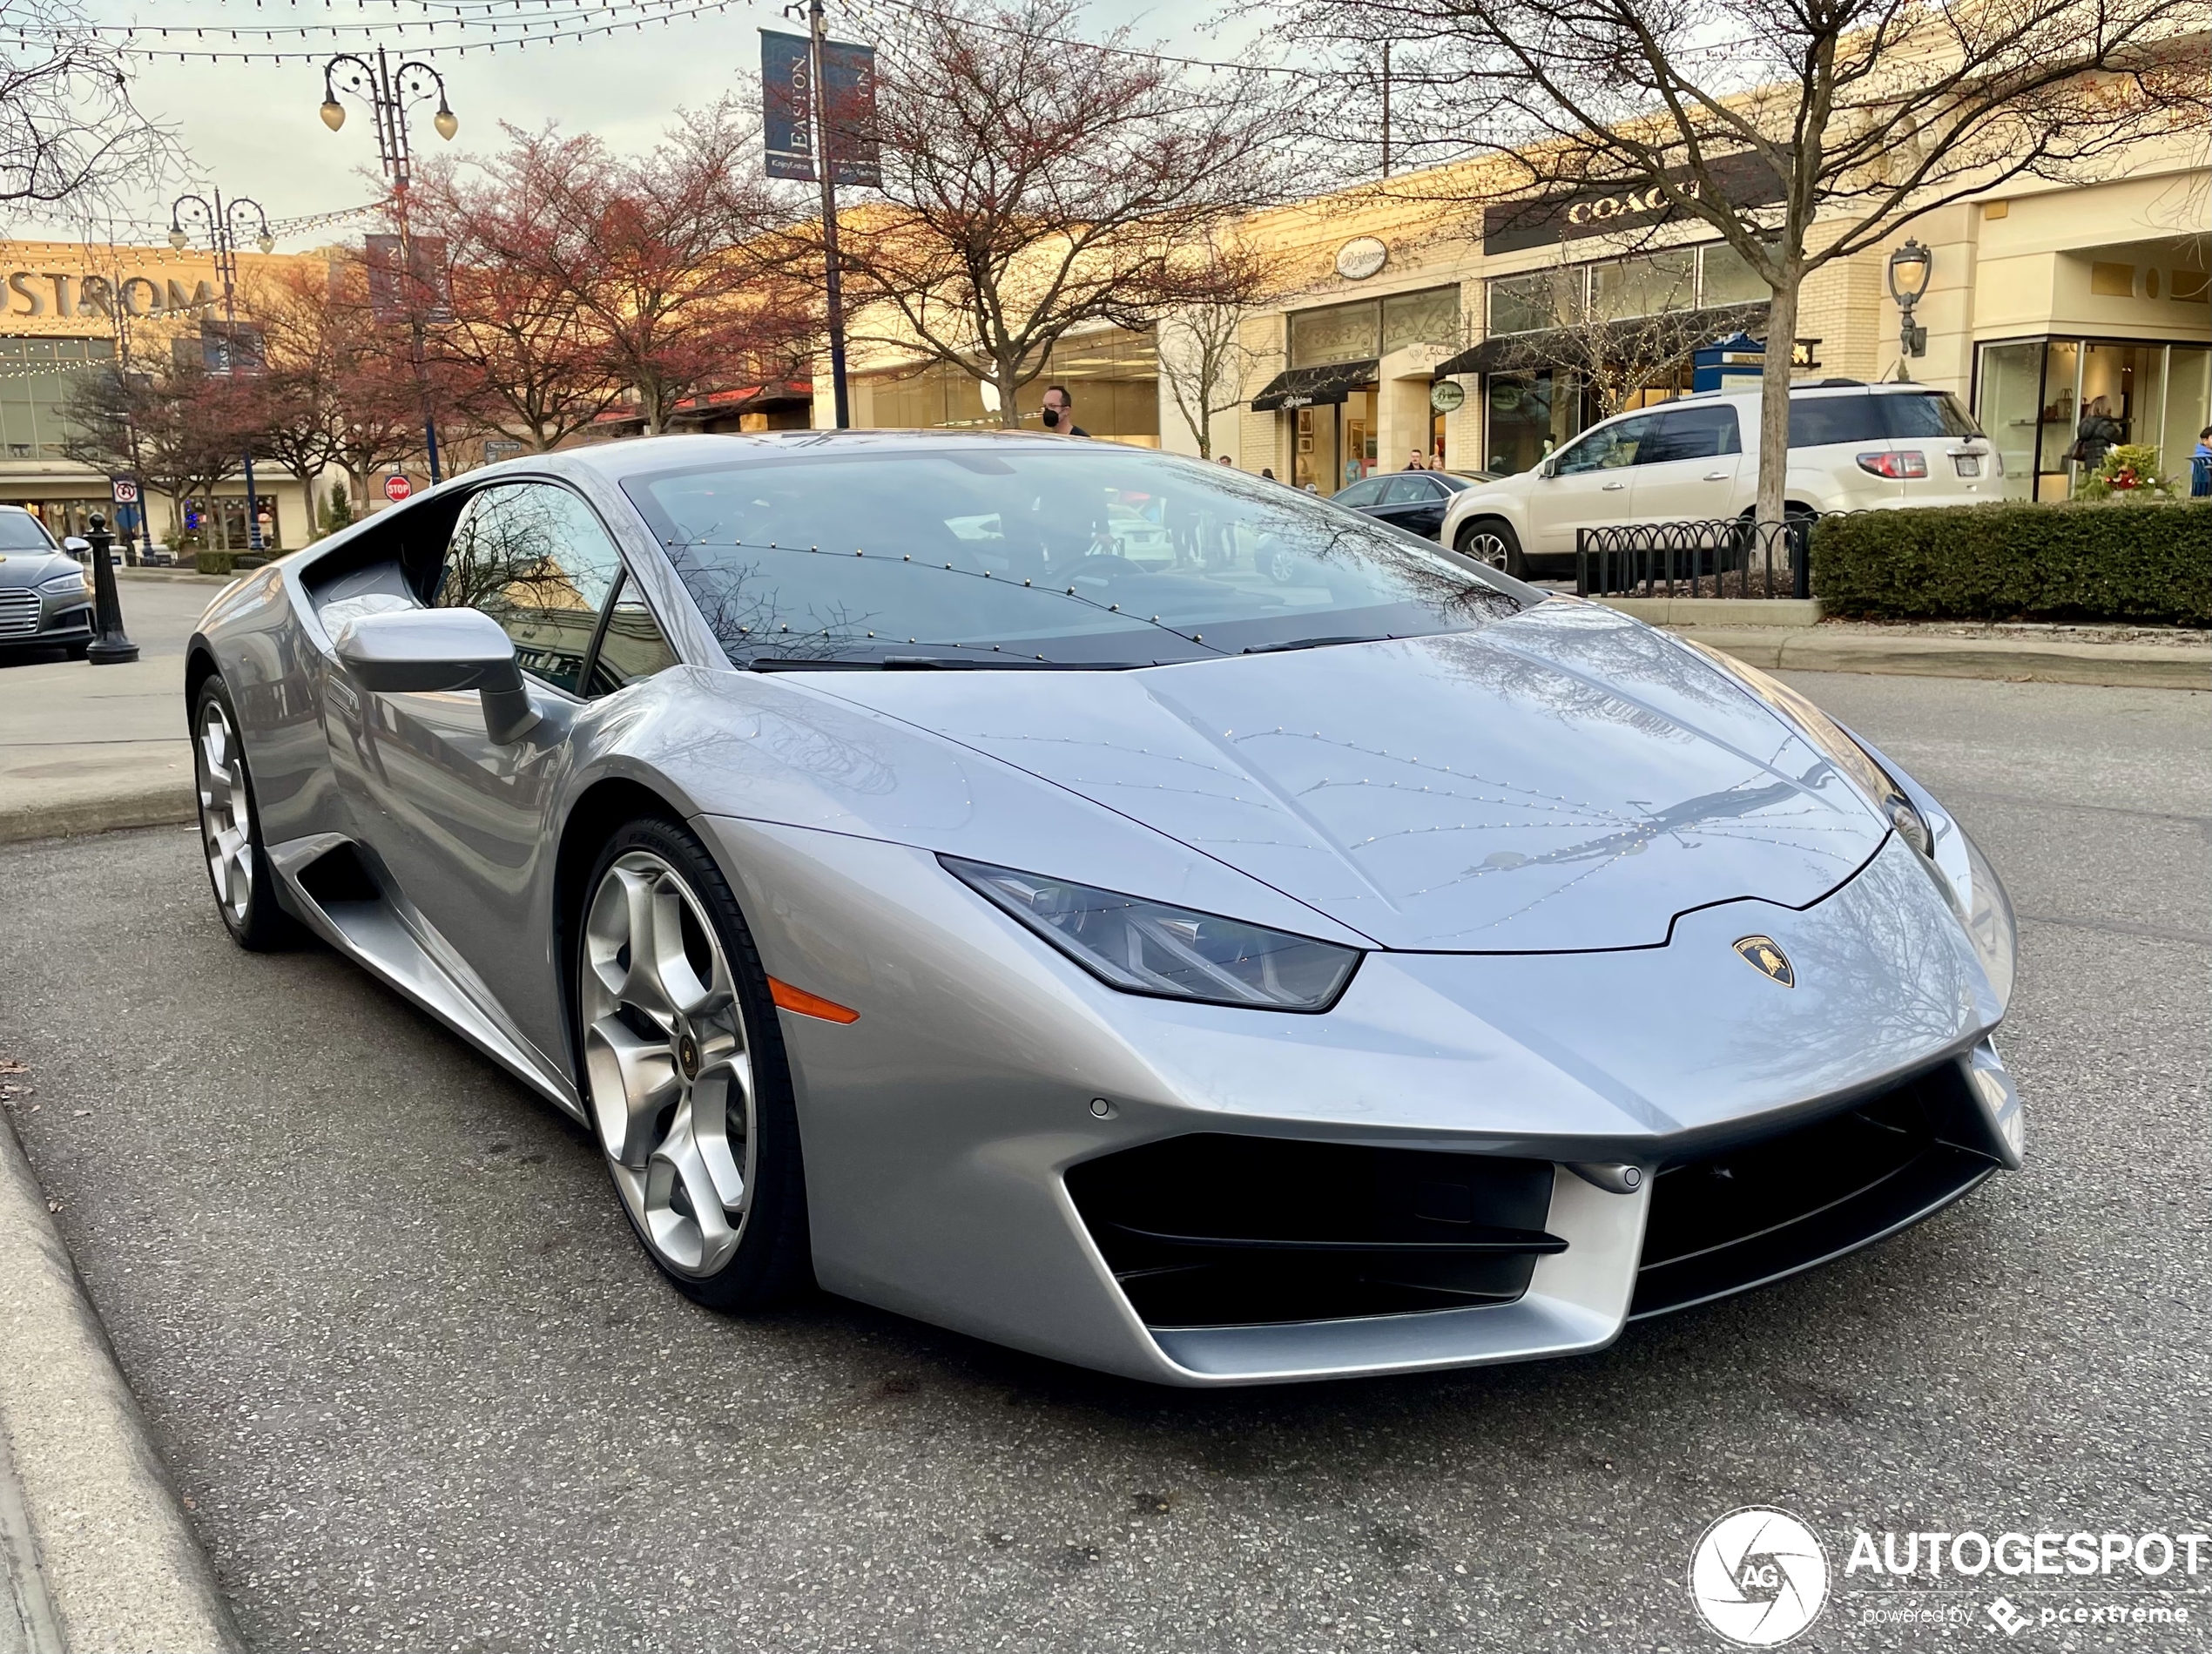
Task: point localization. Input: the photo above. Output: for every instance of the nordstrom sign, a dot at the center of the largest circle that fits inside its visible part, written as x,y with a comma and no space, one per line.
65,293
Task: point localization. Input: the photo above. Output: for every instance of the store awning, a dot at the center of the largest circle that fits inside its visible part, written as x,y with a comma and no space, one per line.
1518,351
1311,386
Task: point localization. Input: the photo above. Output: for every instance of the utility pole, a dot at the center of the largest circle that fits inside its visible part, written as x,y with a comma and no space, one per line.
1386,109
222,236
388,90
834,292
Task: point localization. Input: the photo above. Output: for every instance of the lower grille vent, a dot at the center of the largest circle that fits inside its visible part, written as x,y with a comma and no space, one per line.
1213,1230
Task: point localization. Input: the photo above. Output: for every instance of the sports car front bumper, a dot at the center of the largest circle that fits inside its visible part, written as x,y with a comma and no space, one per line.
953,1134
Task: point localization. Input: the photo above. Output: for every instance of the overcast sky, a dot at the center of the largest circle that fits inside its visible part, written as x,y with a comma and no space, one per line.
252,128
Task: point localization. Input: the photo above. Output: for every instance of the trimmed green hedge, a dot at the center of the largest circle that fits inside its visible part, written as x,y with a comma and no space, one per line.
2147,564
215,562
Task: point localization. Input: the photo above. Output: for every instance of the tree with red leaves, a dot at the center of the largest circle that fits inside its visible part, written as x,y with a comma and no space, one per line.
581,273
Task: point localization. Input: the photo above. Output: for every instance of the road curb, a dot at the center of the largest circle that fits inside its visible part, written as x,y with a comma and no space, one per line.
2107,665
167,804
106,1563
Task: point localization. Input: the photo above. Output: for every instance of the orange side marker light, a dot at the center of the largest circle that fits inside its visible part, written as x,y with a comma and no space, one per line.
807,1004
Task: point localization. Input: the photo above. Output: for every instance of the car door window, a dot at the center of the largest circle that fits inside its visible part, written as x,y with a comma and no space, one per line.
1364,493
1607,448
535,559
632,646
1691,434
1408,488
1820,422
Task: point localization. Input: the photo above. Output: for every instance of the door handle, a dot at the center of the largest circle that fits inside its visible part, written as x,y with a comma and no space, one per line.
1716,476
1610,487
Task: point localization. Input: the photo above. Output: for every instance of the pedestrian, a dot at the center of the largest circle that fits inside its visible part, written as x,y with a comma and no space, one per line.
1419,462
1267,471
2201,466
1059,412
1230,463
2095,436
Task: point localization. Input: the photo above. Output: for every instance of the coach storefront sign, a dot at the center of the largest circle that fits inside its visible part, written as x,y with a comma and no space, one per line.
70,293
1545,220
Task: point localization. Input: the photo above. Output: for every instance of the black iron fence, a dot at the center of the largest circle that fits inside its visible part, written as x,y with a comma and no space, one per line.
1720,558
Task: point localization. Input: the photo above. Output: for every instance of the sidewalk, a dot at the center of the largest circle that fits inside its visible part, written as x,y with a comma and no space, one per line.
95,1554
87,749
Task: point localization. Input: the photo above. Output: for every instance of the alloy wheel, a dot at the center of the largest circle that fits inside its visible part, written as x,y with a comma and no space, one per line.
667,1064
1486,548
225,811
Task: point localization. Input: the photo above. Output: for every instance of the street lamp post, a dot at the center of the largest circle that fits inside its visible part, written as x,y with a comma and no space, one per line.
387,89
220,223
1910,267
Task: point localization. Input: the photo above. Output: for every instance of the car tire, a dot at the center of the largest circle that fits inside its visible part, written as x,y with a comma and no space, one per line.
1492,542
230,827
684,1073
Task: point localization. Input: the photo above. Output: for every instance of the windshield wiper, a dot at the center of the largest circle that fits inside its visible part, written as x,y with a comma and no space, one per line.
939,663
1315,643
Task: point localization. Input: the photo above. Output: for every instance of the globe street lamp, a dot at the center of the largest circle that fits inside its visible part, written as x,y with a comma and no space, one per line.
1909,269
388,89
221,223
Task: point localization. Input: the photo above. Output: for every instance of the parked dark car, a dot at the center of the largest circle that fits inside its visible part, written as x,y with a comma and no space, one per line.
1413,501
45,602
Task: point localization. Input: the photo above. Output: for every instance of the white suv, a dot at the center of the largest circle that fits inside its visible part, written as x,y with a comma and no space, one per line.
1852,448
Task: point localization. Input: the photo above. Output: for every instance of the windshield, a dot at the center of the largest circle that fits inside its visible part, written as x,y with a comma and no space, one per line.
1005,554
20,531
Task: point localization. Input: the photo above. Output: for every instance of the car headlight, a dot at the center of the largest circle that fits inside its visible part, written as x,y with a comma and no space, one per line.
1150,947
1881,787
63,585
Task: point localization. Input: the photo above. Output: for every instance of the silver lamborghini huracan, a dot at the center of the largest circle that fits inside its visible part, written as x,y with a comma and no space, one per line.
1111,904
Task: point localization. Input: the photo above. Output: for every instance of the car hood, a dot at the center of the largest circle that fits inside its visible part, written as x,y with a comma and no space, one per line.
29,568
1567,779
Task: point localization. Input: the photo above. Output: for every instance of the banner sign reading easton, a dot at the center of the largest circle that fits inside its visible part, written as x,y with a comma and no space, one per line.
396,292
849,100
1607,209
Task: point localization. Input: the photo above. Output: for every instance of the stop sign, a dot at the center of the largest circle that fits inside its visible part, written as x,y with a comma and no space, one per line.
397,488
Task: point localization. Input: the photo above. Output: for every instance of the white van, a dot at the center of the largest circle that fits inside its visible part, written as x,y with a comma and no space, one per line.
1853,447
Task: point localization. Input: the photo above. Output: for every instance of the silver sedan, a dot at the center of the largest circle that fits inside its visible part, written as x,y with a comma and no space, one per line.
1329,956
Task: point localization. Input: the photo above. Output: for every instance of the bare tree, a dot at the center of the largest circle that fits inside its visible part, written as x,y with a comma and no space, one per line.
1034,183
1803,132
1201,351
69,135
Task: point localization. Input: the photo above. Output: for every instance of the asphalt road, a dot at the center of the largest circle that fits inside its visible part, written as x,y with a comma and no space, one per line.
423,1392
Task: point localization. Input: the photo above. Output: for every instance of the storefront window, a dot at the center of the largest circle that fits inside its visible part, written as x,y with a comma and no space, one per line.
1112,375
1645,286
1532,302
37,377
1337,333
1724,277
1430,317
2055,406
2008,407
1530,415
2188,409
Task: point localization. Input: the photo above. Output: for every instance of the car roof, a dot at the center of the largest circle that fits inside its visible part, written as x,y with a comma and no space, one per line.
636,455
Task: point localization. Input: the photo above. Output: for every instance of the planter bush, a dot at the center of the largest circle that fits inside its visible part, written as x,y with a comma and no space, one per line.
215,562
2142,563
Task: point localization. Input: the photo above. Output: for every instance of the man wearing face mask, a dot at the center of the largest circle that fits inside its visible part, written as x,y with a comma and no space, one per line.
1059,414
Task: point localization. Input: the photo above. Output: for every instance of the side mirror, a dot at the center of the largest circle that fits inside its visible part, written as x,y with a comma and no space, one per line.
1549,467
419,650
77,547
